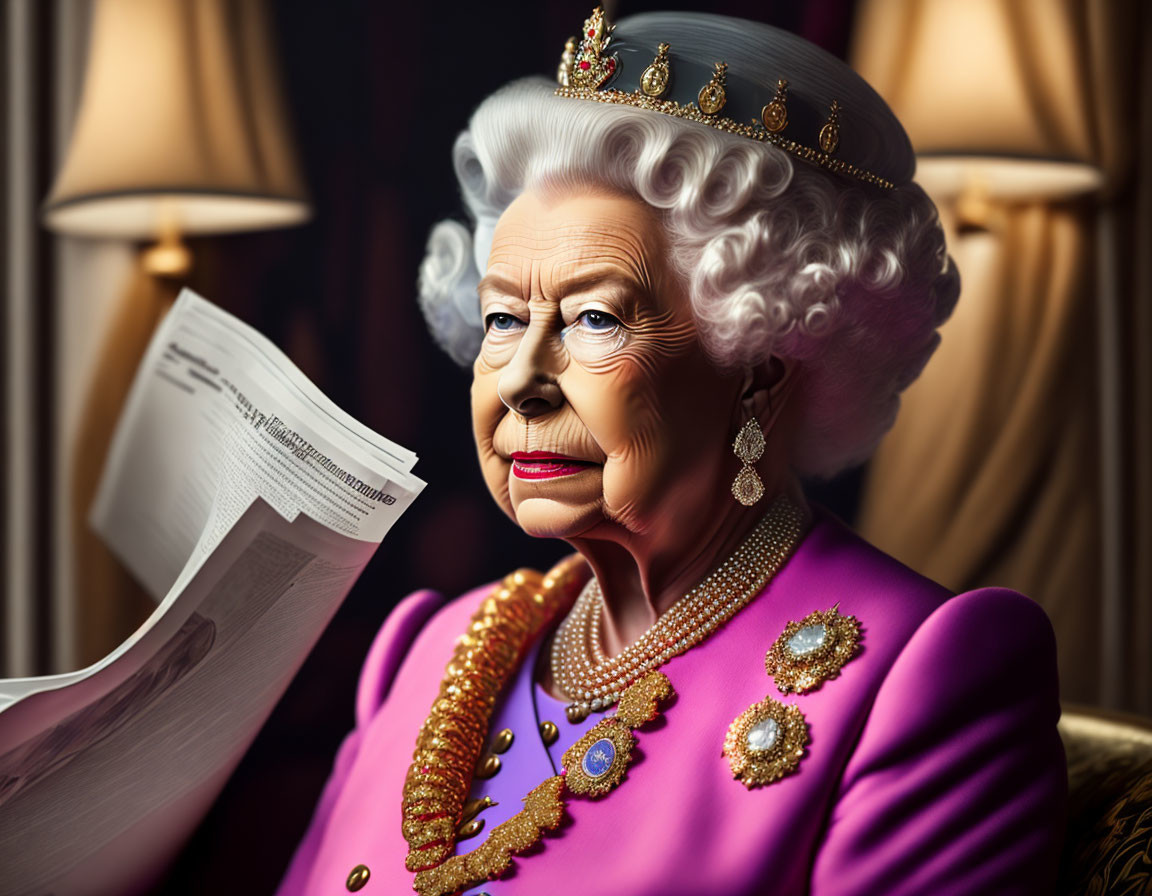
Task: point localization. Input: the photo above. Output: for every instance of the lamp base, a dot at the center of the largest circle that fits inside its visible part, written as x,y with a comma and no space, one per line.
169,257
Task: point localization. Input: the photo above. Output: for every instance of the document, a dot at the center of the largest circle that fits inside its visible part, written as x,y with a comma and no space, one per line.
247,504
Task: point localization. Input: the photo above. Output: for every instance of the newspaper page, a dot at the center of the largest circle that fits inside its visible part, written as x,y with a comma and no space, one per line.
248,504
247,422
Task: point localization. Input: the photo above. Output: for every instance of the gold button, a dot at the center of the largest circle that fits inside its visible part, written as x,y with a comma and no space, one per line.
357,877
470,829
503,741
549,732
474,807
488,766
576,713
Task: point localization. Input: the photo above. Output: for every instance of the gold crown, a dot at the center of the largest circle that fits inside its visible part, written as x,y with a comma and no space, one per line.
586,68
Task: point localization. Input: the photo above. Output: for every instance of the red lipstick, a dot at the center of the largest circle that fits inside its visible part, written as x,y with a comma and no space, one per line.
545,465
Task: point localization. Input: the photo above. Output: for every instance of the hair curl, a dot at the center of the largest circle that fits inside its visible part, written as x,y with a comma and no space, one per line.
780,257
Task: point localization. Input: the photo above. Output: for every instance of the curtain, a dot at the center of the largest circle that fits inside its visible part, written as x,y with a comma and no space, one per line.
76,319
26,397
990,475
1021,456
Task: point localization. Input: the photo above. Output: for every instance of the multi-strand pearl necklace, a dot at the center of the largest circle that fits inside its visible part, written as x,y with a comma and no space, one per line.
594,681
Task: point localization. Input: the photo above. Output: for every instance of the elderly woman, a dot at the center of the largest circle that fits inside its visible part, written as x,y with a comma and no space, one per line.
698,271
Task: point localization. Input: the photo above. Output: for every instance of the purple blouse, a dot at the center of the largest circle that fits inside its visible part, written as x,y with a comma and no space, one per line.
522,711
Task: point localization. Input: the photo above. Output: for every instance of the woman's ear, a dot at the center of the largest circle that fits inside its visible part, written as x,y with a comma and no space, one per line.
767,387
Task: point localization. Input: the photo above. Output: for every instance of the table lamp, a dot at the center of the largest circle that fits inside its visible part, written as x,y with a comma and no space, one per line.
989,92
181,129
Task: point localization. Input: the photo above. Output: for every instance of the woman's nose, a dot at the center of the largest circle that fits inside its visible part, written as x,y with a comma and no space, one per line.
528,383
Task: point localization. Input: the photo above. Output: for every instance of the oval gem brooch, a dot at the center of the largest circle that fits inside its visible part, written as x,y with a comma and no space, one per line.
766,742
812,651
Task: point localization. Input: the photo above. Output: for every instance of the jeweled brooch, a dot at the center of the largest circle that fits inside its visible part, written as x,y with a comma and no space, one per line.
766,742
813,650
596,763
592,766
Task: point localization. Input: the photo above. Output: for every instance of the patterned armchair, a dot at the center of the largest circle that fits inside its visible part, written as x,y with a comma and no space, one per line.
1109,841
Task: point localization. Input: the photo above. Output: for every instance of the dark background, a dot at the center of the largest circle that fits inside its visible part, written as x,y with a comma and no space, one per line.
378,93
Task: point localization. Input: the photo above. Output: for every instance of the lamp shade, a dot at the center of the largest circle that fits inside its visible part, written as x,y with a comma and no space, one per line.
181,125
988,90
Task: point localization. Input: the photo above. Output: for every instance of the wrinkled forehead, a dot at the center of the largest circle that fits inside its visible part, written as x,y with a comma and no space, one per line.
546,239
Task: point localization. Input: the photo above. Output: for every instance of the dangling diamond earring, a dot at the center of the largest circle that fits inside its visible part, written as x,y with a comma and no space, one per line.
749,447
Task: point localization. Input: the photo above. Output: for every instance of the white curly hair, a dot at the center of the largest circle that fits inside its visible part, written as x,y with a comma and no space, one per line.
780,257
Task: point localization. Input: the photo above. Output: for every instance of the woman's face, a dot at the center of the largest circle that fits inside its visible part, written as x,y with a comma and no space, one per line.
595,409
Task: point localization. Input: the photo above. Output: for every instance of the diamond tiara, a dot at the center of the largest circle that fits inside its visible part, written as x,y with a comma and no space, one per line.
591,69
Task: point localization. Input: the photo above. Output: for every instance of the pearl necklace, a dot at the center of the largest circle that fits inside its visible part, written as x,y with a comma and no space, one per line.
594,681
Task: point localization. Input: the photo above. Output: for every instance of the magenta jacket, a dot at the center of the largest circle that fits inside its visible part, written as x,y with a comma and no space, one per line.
934,765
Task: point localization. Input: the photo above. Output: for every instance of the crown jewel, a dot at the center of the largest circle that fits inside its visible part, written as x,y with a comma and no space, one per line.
654,81
588,72
714,94
830,133
590,67
775,114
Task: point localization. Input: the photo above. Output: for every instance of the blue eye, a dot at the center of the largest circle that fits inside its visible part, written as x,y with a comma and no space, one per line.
501,320
598,321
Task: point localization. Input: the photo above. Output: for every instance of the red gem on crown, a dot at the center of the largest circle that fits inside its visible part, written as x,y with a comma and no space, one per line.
593,66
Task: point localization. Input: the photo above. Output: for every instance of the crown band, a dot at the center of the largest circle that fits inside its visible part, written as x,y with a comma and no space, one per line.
754,131
591,68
